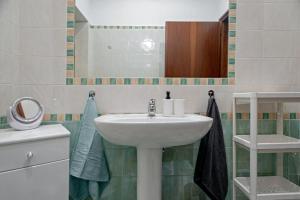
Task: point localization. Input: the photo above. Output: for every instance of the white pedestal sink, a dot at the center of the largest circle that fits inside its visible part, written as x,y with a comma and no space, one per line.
150,135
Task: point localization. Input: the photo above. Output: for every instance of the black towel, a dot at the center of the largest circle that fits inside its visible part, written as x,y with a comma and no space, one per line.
211,167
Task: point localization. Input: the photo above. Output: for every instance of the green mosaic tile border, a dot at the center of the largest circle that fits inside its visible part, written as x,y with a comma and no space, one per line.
3,122
127,27
224,115
149,81
54,117
70,67
61,117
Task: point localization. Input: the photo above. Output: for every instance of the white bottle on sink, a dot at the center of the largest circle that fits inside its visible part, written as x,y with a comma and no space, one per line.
179,107
168,105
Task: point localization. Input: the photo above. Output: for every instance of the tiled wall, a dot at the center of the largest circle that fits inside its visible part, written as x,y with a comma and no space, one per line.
260,67
32,48
9,23
179,162
268,45
42,41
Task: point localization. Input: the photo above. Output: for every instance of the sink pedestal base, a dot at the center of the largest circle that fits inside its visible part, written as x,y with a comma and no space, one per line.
149,169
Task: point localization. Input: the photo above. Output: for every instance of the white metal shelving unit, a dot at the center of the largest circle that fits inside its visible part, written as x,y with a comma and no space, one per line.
267,187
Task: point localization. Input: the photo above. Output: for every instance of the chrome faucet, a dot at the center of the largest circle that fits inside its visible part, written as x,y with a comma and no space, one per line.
151,108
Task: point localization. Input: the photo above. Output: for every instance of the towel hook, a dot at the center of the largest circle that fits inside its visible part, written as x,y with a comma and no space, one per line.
92,93
211,93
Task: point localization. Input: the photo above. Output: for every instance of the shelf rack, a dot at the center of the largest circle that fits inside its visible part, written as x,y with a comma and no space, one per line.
265,187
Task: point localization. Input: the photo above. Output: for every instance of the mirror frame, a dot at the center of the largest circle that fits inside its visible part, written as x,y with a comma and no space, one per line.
70,67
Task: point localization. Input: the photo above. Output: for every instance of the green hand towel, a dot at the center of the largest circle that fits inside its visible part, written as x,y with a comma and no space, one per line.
88,165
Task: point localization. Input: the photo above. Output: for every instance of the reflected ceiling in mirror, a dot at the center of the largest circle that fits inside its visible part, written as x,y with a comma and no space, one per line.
133,40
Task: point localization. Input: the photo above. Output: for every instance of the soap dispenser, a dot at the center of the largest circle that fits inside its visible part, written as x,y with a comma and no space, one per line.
168,105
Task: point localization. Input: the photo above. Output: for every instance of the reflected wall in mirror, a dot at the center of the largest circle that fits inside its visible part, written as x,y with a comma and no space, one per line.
170,38
25,113
27,109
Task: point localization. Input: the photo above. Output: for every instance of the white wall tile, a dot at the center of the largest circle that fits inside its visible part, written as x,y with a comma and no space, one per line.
15,39
70,99
6,95
277,71
249,44
296,44
246,70
42,70
246,19
280,1
43,13
110,99
134,99
268,74
249,1
43,42
6,37
294,65
5,9
15,11
278,67
276,16
282,16
9,11
278,44
8,68
126,99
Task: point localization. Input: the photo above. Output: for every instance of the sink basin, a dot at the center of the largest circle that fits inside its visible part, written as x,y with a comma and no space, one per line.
150,135
152,132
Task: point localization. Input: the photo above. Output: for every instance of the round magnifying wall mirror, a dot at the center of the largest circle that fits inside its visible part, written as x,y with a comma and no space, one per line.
25,113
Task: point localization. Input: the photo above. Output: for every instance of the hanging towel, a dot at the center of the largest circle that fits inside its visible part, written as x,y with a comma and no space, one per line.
88,165
211,167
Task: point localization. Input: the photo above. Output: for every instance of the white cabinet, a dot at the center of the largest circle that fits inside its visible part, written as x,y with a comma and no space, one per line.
40,182
34,164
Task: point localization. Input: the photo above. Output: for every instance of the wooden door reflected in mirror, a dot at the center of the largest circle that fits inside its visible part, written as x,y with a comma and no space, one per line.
196,49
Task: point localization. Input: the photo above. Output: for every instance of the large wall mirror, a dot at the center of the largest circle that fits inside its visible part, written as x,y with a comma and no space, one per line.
150,38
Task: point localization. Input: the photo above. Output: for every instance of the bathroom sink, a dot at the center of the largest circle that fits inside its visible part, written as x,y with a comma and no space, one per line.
150,135
152,132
